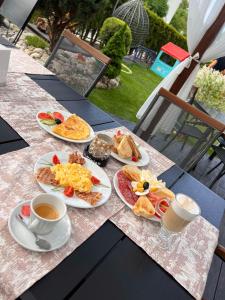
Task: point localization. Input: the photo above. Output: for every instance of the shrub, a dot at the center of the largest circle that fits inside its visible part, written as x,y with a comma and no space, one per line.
110,27
160,33
116,50
35,41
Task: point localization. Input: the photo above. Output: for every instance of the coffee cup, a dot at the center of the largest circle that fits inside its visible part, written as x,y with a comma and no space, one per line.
46,211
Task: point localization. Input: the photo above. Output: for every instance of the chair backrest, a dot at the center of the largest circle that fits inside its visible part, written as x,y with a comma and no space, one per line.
182,132
17,11
77,63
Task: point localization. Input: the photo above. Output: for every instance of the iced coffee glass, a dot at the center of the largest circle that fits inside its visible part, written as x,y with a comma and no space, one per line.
181,212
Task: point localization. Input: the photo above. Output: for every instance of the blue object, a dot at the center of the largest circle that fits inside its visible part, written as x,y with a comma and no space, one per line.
161,68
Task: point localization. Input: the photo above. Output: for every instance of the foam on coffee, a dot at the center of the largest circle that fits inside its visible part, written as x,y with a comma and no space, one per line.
185,207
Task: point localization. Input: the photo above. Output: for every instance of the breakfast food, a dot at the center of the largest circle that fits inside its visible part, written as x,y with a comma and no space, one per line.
143,207
143,192
125,147
132,172
72,178
73,128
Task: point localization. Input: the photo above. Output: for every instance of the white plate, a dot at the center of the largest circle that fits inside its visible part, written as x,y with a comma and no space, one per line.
115,183
66,115
75,201
57,238
141,163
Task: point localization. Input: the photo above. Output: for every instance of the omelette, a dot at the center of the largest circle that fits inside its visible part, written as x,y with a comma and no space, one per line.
73,128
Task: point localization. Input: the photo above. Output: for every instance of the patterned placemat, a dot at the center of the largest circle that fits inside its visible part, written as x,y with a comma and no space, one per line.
20,62
20,88
191,255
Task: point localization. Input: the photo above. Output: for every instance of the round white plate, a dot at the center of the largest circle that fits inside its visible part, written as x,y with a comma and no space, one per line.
141,163
66,115
57,238
75,201
116,186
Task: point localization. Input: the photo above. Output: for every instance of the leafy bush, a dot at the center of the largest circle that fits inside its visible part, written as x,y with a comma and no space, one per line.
158,6
211,88
35,41
116,50
110,27
160,33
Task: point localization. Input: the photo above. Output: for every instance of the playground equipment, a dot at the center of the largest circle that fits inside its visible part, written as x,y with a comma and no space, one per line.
169,57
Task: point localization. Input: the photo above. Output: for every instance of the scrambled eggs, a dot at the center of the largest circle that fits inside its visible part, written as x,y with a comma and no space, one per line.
73,175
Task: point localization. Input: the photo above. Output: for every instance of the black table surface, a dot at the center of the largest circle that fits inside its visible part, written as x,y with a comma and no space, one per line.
109,265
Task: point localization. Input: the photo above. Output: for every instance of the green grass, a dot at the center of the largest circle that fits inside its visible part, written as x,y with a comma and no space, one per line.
126,100
36,41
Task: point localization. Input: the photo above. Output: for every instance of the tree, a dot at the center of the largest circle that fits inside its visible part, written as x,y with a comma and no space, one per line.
116,50
179,20
61,13
160,7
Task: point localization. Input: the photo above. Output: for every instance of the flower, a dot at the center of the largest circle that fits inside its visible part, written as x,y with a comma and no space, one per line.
211,88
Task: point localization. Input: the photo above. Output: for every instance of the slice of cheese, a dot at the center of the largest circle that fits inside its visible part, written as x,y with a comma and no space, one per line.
143,207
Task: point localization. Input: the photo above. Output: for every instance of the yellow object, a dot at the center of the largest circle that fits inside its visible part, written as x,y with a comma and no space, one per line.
143,207
73,175
140,185
73,128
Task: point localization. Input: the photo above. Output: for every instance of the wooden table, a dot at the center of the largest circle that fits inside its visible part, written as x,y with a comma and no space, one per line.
109,265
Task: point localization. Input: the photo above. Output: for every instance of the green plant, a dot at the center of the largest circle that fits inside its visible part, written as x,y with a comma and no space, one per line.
160,7
110,27
35,41
211,88
179,21
116,50
161,33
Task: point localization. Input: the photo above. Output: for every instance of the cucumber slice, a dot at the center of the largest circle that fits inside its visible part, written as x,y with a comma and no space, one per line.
48,122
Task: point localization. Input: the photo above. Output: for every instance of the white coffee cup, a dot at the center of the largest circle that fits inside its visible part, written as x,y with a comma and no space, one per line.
42,225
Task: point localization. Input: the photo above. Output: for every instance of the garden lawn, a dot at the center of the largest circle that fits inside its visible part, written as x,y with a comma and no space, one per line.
132,92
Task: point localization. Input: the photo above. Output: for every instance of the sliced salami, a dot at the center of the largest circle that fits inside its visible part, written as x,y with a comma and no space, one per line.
126,188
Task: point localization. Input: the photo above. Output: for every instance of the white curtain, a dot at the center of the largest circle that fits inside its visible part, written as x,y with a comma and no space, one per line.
202,14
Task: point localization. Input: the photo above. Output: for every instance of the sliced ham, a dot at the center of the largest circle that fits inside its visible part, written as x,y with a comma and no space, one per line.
125,188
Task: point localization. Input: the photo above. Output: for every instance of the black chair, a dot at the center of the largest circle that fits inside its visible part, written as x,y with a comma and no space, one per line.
77,63
220,153
159,125
18,12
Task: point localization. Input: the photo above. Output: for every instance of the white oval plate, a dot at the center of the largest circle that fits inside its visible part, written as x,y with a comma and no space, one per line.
66,115
141,163
75,201
115,183
57,238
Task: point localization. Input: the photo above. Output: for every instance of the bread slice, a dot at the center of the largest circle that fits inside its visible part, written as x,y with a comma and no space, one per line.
124,150
132,172
135,152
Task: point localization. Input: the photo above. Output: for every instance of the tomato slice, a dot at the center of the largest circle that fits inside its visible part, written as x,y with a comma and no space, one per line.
95,180
55,160
69,191
25,210
45,116
58,116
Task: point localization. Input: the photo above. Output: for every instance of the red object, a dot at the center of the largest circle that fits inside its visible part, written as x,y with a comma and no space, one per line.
95,180
25,210
134,158
69,191
119,133
175,51
45,116
58,116
126,188
55,160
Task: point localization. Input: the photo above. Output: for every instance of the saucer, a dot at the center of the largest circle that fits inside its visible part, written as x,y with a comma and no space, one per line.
57,238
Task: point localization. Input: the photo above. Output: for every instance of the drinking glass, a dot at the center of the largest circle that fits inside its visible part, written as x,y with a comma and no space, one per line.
181,212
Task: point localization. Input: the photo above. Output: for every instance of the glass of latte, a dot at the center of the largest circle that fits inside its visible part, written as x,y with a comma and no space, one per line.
181,212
